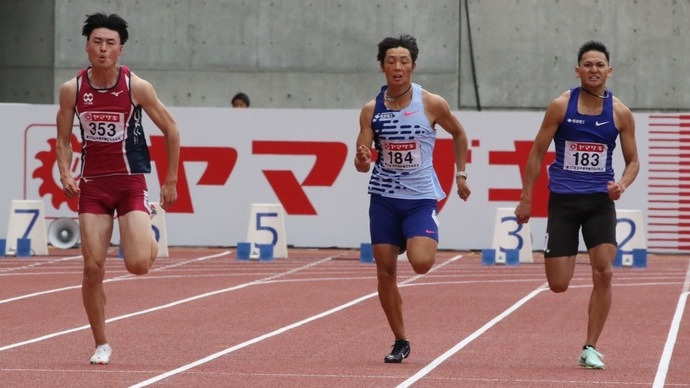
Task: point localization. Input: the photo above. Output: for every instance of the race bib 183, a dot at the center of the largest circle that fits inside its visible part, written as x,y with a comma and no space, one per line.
585,157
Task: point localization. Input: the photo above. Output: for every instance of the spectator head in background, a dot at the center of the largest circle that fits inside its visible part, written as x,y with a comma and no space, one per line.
240,100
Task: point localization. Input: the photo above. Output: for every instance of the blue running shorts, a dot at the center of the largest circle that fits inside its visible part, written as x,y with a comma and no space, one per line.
393,220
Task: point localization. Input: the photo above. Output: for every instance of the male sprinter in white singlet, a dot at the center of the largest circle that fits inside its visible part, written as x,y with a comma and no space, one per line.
583,123
404,189
108,99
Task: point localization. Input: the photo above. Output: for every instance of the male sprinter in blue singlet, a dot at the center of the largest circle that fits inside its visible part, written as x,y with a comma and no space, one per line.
584,123
404,189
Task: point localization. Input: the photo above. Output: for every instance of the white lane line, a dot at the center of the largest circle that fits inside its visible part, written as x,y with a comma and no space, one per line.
38,264
665,361
162,268
277,332
440,359
26,296
115,279
161,307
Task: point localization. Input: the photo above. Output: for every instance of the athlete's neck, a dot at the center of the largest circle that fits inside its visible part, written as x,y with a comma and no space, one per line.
603,95
392,98
103,78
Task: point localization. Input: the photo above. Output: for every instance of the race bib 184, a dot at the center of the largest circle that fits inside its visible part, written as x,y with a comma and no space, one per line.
401,154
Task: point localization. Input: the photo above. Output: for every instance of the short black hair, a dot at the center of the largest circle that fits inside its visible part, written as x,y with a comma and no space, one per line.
241,96
592,45
404,41
101,20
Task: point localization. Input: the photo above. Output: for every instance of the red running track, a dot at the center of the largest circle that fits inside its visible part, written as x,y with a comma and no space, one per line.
202,318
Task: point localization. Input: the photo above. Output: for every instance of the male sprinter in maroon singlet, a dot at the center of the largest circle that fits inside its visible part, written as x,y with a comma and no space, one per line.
108,100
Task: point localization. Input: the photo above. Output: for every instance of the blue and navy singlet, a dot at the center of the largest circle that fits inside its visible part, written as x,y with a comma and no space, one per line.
404,141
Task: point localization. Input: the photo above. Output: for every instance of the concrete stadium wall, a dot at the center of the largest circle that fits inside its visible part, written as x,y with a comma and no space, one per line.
489,54
27,46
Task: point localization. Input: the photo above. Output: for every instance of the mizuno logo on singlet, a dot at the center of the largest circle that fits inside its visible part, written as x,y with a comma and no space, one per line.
117,94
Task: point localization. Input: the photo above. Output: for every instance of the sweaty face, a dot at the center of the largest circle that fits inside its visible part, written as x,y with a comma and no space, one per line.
593,69
398,66
103,47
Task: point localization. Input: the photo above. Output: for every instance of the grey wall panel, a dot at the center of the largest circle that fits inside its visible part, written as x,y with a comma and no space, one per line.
26,51
493,54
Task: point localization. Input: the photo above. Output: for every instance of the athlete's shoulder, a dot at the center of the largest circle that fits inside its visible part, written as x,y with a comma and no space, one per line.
367,112
69,88
563,98
137,81
142,90
430,97
556,110
619,105
370,104
69,84
560,103
68,94
434,103
623,116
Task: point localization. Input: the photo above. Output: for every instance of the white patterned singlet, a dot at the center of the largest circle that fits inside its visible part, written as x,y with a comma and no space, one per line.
404,141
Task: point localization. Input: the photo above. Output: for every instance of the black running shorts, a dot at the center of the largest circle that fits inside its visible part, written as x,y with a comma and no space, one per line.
594,213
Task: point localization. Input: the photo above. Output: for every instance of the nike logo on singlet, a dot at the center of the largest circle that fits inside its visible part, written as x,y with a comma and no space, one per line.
598,124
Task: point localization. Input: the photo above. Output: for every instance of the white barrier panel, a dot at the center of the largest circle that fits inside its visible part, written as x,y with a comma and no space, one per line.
27,221
508,234
267,226
160,231
629,234
500,142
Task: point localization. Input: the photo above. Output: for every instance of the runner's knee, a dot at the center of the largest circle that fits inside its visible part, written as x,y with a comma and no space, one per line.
138,267
558,287
93,272
602,278
422,266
